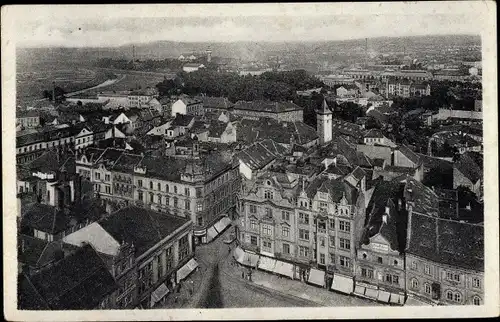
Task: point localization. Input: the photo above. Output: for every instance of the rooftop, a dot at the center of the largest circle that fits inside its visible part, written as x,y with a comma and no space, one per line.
78,282
267,106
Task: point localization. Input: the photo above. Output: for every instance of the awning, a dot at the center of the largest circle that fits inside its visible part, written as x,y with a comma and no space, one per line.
283,268
371,293
192,264
239,254
201,232
342,284
222,224
185,270
317,277
397,299
211,234
412,301
267,263
359,290
251,259
383,296
159,293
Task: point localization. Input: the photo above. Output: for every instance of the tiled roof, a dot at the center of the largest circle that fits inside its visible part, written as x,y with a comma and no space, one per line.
142,227
374,133
260,154
422,198
126,162
182,120
409,154
346,128
52,161
281,132
216,129
36,252
267,106
78,282
469,167
337,189
216,102
49,219
449,242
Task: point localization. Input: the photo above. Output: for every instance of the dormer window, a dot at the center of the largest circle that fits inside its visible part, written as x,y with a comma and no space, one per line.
268,182
268,194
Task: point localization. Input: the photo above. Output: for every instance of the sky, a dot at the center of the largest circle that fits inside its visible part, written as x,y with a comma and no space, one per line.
113,25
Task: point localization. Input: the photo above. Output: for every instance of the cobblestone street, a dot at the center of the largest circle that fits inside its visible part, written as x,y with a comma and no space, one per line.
265,289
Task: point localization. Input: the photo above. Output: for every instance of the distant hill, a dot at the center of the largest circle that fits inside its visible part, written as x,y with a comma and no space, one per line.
244,50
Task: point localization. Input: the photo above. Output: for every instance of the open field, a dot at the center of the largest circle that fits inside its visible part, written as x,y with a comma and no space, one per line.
131,80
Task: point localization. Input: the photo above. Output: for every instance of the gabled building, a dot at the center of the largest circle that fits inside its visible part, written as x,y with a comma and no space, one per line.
187,106
258,157
442,267
280,111
147,252
468,172
376,137
380,269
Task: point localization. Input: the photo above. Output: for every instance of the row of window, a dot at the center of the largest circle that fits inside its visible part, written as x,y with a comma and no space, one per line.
450,276
389,278
152,186
454,296
165,200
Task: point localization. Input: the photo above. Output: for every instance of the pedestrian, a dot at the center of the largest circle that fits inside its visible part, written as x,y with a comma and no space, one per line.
242,274
228,250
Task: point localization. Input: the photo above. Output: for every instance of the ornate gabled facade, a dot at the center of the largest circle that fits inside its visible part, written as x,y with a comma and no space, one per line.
310,224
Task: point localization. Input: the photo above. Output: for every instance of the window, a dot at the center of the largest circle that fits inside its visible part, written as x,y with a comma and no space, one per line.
285,215
322,259
457,297
269,212
449,295
140,195
175,189
253,240
427,269
304,234
198,192
414,283
332,241
139,183
166,188
344,226
108,189
199,206
303,251
175,202
150,184
98,176
187,192
476,300
286,248
366,272
253,209
476,283
267,230
345,243
266,244
331,224
394,279
187,204
345,261
151,197
285,231
253,224
379,259
183,247
414,265
158,186
167,200
427,288
268,194
199,221
303,218
395,263
452,277
322,241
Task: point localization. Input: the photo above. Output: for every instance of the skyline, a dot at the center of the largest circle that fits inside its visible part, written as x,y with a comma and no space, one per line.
52,27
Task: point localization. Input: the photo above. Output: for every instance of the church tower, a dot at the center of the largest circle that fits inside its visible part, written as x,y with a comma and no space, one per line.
324,123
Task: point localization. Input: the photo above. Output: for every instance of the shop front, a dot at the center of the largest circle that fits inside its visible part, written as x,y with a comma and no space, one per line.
342,284
316,277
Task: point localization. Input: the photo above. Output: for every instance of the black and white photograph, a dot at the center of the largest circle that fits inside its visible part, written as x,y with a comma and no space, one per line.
274,159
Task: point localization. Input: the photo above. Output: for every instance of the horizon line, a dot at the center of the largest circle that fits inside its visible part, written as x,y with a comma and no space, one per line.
244,41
